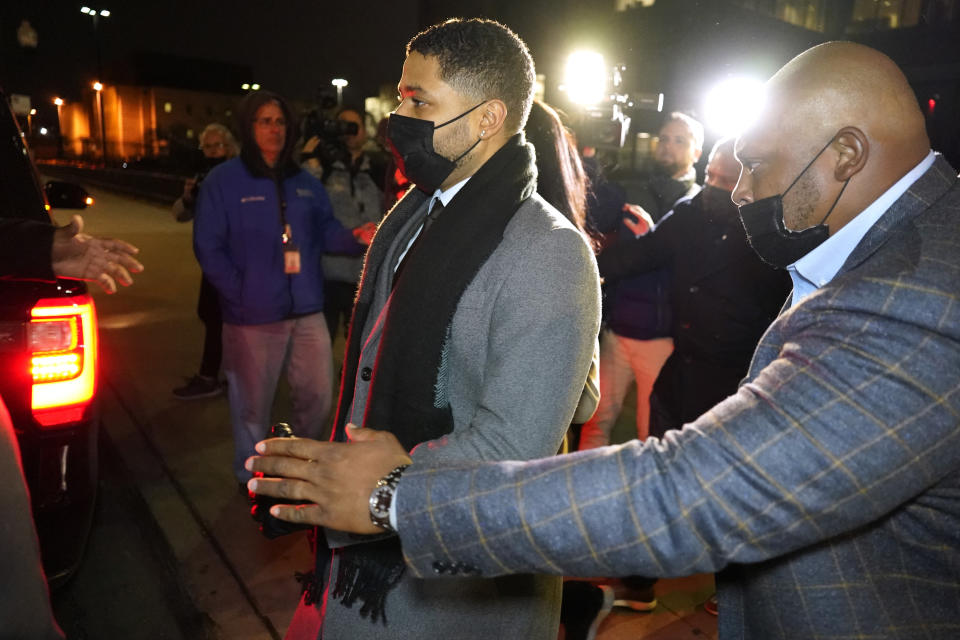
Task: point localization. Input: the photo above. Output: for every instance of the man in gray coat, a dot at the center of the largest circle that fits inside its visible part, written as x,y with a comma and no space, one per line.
826,491
472,336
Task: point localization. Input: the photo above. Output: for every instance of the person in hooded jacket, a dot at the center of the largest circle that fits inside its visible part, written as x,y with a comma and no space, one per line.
261,225
218,145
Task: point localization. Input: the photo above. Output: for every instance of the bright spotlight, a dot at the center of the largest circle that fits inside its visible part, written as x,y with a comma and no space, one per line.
733,104
245,86
85,10
255,86
585,77
97,86
105,13
43,131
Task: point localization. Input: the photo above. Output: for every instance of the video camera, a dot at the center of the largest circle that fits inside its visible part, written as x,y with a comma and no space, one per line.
608,125
320,123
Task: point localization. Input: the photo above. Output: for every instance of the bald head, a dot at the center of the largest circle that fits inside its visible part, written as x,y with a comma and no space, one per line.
854,100
841,84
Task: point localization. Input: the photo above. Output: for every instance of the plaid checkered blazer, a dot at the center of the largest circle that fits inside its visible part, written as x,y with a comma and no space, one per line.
825,492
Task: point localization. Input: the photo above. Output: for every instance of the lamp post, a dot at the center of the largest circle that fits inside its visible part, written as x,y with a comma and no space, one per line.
59,102
30,115
98,87
96,14
339,83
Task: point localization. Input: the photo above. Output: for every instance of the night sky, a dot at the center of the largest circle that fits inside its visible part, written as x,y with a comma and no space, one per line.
292,46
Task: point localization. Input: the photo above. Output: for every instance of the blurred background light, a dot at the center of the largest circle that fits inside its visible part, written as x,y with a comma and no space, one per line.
585,78
732,105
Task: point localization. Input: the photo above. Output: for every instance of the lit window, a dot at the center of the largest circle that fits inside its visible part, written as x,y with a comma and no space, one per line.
167,107
869,15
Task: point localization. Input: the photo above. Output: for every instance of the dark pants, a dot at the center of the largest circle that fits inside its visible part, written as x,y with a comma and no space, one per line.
208,309
338,305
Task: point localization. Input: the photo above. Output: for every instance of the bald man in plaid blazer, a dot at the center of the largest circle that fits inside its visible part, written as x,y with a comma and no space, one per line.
826,491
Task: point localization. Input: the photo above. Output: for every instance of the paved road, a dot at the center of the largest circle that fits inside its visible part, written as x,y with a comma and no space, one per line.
129,584
196,553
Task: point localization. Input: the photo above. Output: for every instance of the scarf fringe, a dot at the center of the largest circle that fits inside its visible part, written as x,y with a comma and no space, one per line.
369,578
310,587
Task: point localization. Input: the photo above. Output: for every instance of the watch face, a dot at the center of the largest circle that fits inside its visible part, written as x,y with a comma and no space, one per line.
380,501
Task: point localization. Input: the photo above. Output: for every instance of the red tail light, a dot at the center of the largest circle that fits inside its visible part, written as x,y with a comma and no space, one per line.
62,338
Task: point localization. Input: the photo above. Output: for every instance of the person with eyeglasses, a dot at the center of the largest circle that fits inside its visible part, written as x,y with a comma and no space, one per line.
260,229
217,144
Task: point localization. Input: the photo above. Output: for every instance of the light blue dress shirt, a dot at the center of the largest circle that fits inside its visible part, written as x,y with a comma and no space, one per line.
444,197
818,267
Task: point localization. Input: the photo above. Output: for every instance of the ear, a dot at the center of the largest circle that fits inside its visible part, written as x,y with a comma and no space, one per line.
493,115
854,149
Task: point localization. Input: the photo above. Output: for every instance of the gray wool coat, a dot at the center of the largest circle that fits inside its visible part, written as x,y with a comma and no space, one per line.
517,358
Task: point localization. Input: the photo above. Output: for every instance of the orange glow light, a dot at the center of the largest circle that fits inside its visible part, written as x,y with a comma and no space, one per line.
89,201
64,368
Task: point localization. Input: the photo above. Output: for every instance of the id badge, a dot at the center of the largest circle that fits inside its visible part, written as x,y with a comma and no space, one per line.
291,259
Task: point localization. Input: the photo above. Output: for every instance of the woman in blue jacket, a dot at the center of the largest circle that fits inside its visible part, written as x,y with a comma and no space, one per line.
261,226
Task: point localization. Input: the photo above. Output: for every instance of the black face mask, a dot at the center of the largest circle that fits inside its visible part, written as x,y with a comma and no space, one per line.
771,240
411,141
717,203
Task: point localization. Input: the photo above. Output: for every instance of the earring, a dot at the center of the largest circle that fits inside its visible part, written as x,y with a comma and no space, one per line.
483,132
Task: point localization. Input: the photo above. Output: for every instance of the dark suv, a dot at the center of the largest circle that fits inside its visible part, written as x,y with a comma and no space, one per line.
49,372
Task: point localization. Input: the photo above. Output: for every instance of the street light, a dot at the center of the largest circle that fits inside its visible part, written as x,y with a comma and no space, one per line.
339,83
30,115
96,15
98,87
59,102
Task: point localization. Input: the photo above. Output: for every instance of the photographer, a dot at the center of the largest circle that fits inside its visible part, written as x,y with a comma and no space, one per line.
217,144
337,151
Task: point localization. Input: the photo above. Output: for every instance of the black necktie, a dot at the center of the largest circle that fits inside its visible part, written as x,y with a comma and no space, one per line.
428,220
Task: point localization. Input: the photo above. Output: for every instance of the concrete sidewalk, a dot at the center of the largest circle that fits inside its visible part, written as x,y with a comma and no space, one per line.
179,453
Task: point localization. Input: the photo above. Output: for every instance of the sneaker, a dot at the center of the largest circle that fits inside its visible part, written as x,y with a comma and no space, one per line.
638,600
710,606
584,607
199,387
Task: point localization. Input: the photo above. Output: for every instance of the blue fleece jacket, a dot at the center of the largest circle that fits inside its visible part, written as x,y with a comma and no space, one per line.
236,237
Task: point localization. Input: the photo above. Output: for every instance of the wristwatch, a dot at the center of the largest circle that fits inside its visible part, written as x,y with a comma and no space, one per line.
382,497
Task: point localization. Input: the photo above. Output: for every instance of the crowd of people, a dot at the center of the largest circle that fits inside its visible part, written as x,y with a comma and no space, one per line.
791,329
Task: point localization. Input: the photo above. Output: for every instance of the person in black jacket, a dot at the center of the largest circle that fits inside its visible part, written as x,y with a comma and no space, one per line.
723,295
636,340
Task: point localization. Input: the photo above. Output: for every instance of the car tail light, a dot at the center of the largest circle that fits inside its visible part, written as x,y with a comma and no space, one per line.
62,339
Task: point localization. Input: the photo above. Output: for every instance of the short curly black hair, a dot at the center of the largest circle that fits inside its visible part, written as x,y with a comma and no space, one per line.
484,60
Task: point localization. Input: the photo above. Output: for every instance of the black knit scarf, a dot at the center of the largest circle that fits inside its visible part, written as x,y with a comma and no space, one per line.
405,394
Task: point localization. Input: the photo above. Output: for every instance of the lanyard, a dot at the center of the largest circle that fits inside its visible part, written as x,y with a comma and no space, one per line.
286,235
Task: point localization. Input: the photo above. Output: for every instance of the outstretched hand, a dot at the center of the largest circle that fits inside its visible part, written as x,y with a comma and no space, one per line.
337,478
637,219
84,257
364,233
